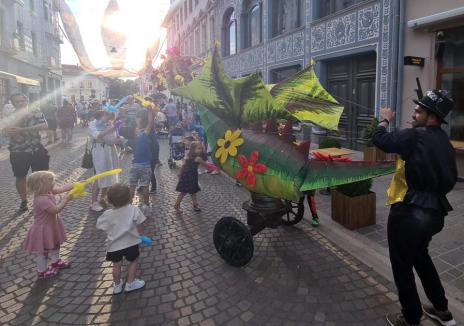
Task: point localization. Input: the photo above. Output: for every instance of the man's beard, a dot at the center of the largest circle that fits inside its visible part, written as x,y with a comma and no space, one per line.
416,124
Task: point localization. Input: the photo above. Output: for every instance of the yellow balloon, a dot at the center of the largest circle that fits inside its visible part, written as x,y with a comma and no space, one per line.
79,188
145,103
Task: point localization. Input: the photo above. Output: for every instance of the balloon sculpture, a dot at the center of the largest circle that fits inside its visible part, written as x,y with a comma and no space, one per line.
272,169
146,104
146,241
79,188
115,108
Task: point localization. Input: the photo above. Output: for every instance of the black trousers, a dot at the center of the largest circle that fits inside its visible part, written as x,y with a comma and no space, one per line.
410,229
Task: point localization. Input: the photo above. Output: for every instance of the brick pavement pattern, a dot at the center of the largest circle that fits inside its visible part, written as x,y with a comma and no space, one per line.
446,248
297,277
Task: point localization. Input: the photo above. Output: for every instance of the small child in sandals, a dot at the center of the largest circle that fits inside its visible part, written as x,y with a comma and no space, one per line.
46,234
188,176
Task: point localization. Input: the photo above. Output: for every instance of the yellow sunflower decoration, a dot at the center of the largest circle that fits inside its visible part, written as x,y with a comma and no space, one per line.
228,145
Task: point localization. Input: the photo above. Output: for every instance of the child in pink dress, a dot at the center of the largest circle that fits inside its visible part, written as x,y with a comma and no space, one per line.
46,234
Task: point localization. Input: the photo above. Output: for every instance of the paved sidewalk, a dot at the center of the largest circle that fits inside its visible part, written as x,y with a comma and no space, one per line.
446,248
297,276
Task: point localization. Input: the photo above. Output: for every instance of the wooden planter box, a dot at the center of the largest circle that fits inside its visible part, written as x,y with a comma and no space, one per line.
460,163
353,212
374,154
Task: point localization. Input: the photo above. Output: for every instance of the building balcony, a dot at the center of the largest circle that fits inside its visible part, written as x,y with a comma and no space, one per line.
8,47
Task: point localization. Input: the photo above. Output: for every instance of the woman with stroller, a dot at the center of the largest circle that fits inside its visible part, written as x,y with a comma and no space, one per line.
176,144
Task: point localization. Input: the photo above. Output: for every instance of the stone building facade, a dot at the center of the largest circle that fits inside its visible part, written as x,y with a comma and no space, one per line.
76,83
30,41
354,44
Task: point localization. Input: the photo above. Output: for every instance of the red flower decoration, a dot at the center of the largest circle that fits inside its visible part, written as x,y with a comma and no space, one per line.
250,168
322,157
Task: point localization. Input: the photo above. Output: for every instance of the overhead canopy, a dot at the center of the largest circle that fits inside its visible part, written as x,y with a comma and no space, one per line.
111,38
21,79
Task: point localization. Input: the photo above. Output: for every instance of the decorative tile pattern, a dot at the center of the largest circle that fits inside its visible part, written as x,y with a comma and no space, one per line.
307,31
318,38
385,54
368,22
284,48
271,52
252,59
298,43
341,31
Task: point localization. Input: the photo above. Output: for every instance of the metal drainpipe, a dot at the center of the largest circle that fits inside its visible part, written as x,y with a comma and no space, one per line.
400,66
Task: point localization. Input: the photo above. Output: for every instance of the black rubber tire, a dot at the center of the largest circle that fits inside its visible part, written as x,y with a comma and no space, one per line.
233,241
295,212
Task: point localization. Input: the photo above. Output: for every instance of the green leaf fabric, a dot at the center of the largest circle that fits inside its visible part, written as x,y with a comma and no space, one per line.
305,98
238,102
323,174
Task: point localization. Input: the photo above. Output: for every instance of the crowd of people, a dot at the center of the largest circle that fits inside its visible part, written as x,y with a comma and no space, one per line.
133,129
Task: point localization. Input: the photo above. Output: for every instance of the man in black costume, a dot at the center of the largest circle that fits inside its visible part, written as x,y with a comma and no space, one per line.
430,173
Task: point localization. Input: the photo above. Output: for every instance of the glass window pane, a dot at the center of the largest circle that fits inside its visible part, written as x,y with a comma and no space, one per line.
454,83
255,26
454,48
277,17
232,38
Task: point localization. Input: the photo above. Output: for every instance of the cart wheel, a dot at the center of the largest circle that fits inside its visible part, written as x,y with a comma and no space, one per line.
295,212
233,241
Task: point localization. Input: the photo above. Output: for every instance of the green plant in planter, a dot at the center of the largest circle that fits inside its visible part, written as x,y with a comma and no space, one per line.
328,142
369,131
357,188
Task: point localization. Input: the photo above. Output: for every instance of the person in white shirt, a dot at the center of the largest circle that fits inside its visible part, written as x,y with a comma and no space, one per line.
122,225
82,109
171,112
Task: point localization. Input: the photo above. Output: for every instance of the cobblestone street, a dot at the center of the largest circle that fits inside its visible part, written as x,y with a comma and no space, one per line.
297,276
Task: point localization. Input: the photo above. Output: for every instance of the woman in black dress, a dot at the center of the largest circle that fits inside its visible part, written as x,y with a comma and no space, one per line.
188,176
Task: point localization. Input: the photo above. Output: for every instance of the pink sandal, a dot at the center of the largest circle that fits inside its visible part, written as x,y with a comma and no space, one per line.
61,264
49,272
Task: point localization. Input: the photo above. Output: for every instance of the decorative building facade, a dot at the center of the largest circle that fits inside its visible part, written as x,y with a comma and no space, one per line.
77,83
354,44
30,40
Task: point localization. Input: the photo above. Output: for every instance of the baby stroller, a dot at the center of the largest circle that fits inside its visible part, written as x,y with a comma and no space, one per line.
176,146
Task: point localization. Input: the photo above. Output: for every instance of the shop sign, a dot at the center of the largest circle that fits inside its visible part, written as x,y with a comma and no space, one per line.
414,61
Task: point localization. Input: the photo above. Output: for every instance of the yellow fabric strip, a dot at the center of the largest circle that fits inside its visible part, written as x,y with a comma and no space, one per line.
398,186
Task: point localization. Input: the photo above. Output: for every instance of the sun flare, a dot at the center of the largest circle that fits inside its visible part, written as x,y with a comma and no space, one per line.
139,21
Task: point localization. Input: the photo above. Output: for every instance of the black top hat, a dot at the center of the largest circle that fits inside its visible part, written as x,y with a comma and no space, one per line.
436,102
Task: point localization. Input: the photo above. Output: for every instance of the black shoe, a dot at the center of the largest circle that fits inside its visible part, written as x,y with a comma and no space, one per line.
23,206
398,320
443,317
